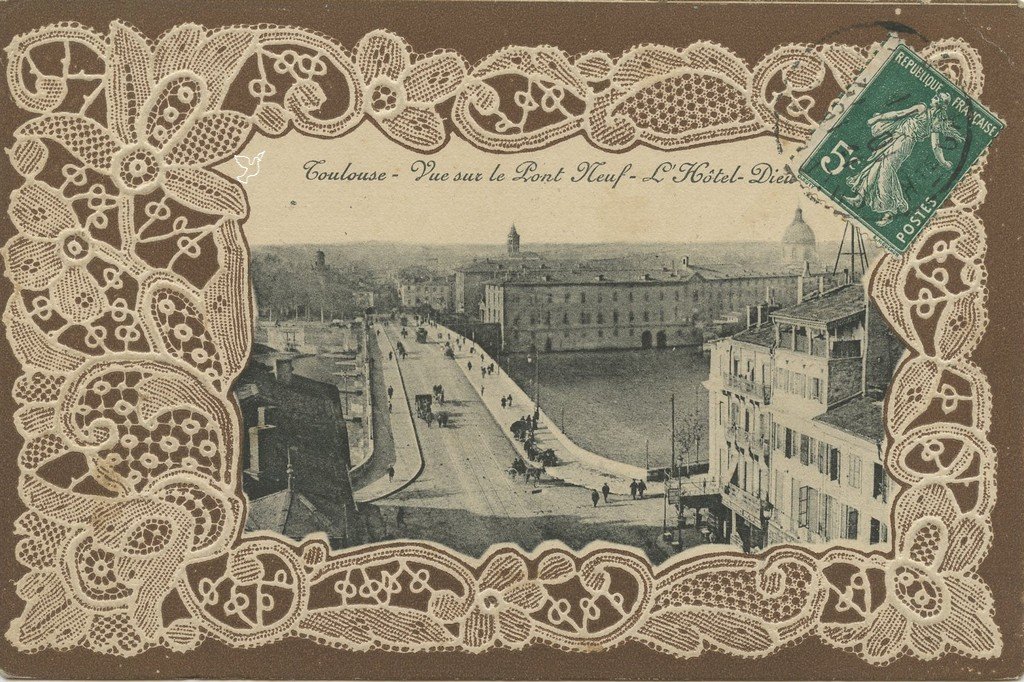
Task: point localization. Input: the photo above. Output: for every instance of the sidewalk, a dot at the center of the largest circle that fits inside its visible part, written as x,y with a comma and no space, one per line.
577,465
408,455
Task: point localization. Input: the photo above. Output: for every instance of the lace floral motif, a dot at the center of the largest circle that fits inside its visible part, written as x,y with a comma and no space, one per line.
131,318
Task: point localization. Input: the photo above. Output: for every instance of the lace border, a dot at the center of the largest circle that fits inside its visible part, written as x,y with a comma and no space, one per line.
131,318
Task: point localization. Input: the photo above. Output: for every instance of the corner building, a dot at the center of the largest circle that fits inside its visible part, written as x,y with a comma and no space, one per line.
795,430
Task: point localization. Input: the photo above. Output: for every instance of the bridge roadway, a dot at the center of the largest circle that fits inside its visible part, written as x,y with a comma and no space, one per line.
465,498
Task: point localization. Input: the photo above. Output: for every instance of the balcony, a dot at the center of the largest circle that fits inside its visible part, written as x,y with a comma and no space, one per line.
748,440
749,388
751,507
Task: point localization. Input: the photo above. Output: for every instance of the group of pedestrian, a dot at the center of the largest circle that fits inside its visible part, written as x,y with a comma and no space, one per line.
637,489
524,426
507,402
595,497
438,393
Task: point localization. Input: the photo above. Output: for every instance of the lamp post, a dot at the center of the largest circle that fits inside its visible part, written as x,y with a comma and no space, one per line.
534,358
672,401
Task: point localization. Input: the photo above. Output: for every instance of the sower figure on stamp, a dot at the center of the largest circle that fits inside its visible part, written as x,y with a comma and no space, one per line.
894,136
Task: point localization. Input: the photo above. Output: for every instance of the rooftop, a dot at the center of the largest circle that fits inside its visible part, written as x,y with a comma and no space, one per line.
292,515
861,417
830,306
438,280
577,277
759,336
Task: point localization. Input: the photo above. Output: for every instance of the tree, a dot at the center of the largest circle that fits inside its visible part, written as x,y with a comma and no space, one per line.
691,436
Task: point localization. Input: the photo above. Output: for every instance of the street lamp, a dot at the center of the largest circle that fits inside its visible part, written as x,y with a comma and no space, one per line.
534,359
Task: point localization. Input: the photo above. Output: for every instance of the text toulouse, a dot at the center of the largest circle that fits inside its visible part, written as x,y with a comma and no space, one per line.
532,172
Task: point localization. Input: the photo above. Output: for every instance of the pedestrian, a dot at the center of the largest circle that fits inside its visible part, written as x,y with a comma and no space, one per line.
510,400
632,488
390,355
469,365
605,490
503,402
390,406
594,497
641,487
482,389
391,473
391,392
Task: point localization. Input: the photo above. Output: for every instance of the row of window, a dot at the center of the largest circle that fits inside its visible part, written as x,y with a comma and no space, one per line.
588,317
714,295
515,335
838,467
799,384
806,507
823,515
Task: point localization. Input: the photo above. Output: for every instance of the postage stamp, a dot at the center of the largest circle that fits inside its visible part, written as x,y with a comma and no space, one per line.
891,150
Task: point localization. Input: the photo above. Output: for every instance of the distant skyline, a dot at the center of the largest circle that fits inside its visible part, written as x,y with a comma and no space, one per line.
285,208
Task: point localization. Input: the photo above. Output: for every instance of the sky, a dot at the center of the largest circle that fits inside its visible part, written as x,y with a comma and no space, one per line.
288,208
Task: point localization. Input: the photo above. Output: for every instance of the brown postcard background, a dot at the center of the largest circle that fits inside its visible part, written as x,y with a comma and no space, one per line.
475,29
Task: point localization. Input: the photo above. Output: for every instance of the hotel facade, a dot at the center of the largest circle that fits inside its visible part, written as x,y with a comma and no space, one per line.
561,311
795,430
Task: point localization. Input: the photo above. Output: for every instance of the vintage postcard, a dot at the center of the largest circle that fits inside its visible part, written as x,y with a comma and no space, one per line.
482,340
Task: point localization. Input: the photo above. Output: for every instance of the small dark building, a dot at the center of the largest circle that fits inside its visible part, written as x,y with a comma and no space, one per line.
295,454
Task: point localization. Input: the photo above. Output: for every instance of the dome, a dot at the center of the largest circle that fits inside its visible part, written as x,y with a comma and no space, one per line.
798,231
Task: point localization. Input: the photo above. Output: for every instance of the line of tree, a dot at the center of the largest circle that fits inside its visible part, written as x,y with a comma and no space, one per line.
290,287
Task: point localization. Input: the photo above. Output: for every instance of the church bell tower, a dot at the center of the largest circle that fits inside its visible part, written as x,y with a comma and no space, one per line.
513,241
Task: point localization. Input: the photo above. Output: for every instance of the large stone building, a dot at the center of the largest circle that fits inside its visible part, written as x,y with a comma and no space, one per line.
588,310
795,428
427,292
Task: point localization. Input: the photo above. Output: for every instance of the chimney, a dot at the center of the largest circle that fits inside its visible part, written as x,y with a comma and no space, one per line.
750,316
807,268
686,261
283,370
821,284
799,289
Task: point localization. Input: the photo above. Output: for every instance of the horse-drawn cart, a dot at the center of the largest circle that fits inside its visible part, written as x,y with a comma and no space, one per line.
423,404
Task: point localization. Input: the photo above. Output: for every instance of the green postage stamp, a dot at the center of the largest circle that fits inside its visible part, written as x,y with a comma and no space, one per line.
891,150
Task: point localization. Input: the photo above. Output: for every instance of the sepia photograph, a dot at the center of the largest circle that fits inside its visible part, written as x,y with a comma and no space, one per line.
696,366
